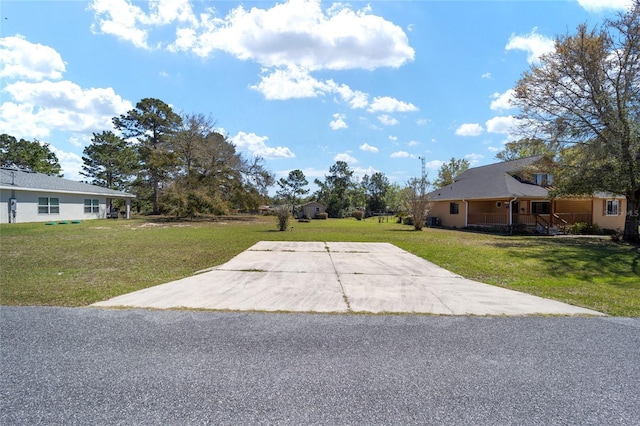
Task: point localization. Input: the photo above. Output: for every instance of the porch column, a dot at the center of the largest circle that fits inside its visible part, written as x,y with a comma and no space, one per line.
128,201
466,213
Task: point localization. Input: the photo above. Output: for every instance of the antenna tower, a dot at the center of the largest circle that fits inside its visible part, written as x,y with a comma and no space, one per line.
424,170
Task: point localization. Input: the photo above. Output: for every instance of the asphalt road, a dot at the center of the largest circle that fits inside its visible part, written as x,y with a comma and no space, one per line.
96,366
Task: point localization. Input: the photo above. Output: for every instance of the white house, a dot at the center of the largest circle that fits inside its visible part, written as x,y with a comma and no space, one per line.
36,197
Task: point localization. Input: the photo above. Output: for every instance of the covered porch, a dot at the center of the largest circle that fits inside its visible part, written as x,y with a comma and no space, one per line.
545,216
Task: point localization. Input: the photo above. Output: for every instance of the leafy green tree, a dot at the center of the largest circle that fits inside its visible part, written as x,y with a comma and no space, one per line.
153,123
526,147
584,97
33,156
393,197
448,172
376,188
333,192
293,187
109,161
212,177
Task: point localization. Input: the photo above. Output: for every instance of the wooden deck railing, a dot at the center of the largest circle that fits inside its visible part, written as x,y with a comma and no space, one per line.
557,220
483,219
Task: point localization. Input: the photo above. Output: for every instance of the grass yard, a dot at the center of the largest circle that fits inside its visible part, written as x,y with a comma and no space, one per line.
78,264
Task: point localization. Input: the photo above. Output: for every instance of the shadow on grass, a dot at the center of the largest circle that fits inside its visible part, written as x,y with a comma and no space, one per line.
225,218
589,260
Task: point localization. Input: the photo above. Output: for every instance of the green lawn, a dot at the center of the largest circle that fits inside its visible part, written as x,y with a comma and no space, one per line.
78,264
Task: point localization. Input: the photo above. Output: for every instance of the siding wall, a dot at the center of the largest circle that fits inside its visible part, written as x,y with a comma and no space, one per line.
310,210
440,210
71,207
609,222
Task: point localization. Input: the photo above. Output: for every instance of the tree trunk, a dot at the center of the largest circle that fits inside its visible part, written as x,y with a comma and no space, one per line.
632,221
156,197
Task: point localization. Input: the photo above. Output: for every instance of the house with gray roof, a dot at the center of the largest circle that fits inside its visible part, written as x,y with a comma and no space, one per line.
36,197
518,193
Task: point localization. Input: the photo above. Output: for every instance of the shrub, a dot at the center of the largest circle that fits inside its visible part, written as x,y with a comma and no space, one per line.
583,228
519,228
283,215
407,220
358,214
322,216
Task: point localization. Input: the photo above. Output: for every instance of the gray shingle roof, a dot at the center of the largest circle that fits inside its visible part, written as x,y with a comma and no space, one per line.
493,181
28,181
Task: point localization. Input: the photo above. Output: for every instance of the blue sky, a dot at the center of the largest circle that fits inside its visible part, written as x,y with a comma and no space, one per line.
302,83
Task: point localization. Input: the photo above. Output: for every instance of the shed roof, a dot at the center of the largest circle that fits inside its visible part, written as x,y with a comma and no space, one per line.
16,179
493,181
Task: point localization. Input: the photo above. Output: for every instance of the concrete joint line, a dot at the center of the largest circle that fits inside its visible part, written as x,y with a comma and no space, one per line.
344,294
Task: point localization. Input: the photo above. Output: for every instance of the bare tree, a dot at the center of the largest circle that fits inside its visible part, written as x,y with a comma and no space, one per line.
584,98
416,201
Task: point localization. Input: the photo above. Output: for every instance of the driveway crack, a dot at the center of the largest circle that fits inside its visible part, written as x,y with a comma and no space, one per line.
344,294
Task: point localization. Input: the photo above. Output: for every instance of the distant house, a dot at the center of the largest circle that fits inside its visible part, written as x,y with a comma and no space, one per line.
517,193
310,210
37,197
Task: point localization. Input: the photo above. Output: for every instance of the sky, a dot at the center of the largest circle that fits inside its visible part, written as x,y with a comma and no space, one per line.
383,85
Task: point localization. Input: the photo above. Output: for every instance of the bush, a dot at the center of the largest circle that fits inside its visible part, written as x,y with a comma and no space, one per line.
407,220
322,216
582,228
283,215
358,214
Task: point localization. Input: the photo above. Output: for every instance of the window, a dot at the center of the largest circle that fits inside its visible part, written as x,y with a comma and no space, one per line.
611,207
453,208
542,179
91,206
47,205
540,208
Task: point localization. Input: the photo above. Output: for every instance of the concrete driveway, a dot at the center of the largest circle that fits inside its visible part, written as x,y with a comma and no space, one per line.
338,277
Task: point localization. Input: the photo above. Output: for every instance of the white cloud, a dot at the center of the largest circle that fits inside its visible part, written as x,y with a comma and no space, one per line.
486,76
501,124
300,33
309,173
533,43
402,154
502,101
388,104
387,120
128,22
433,165
494,149
366,147
422,122
600,5
257,146
38,108
469,129
355,98
474,158
70,163
121,19
346,158
393,138
37,101
289,83
20,59
290,40
338,122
